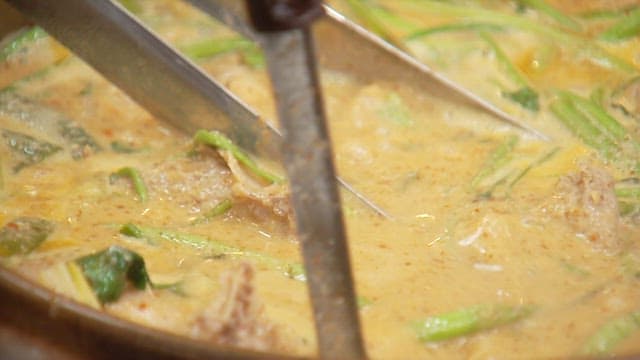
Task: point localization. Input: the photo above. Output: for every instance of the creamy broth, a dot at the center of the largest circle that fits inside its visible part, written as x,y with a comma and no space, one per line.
526,230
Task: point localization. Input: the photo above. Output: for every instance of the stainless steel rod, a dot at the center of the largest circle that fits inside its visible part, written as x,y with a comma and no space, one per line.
314,190
155,75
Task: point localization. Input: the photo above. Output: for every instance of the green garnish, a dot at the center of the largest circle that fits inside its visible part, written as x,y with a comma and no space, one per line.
500,156
220,141
604,341
561,18
28,150
23,234
625,28
136,180
39,116
525,95
109,271
214,47
465,26
221,208
211,248
469,320
20,41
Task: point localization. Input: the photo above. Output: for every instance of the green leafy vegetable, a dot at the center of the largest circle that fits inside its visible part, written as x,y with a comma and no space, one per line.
525,95
500,156
211,248
210,48
175,287
218,140
41,117
465,26
582,126
610,334
136,180
628,189
542,159
628,194
28,150
499,174
20,41
590,122
469,320
123,148
608,124
108,272
37,74
587,48
131,5
81,142
253,57
625,28
23,234
222,207
545,8
373,18
630,265
606,13
213,47
132,230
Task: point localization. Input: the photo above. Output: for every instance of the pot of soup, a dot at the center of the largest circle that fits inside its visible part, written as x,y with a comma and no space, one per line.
125,237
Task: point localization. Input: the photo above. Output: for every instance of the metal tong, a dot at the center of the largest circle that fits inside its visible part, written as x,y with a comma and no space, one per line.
174,89
287,42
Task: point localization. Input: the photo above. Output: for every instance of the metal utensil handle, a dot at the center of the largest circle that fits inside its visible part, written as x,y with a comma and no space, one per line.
288,46
149,70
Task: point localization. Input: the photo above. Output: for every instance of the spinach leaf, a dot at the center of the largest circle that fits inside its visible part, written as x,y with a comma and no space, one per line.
27,149
525,96
23,234
39,116
20,42
78,138
109,270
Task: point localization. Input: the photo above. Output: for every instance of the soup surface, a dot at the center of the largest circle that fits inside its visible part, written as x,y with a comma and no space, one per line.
500,244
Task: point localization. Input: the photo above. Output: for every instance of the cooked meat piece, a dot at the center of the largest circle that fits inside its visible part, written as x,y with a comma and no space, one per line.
235,316
588,202
628,97
256,196
190,183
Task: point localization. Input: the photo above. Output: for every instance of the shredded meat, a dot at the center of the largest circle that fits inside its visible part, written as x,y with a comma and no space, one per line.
588,202
257,197
235,316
